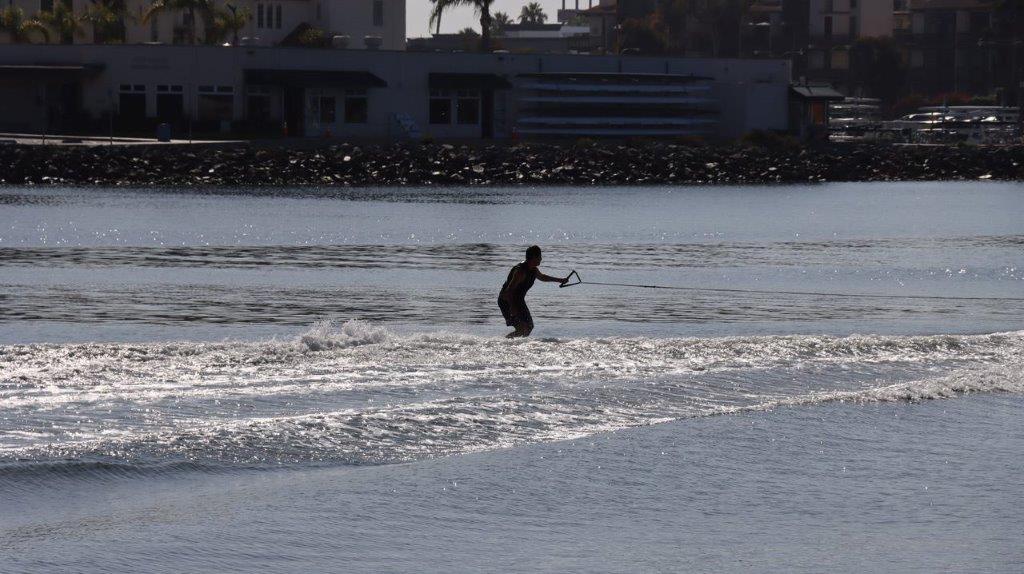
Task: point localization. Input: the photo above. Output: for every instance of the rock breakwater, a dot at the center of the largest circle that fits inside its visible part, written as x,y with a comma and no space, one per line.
499,164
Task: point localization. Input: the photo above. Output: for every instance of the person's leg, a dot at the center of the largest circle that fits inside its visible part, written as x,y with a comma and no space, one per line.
527,321
522,330
506,312
523,321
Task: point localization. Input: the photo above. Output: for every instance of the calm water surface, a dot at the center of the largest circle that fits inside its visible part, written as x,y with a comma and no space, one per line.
298,381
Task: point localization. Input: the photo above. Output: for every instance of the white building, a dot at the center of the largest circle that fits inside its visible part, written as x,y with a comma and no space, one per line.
383,94
360,23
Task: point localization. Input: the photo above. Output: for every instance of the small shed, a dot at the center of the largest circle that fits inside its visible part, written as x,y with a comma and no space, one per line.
808,110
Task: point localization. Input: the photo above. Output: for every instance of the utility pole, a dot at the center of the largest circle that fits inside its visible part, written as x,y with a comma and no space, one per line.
234,21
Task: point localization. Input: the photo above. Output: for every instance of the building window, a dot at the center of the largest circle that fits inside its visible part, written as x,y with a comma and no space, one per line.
131,102
440,107
45,5
215,103
828,6
154,28
916,59
467,107
266,14
323,109
319,11
356,107
854,31
815,59
328,109
828,26
257,104
378,12
170,102
980,22
853,4
840,60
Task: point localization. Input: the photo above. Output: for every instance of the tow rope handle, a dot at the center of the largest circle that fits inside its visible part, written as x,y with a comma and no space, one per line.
569,278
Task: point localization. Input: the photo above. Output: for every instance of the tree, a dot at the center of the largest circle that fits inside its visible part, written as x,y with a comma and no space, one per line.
640,36
672,16
107,18
13,21
483,7
62,20
711,27
532,13
312,37
228,21
498,23
203,8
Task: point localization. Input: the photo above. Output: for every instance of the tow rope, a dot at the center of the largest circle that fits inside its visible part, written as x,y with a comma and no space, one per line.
579,281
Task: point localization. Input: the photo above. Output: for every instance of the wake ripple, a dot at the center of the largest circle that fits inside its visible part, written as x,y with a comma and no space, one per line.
358,394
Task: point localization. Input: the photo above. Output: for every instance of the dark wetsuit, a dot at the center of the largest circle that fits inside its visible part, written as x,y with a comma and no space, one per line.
515,310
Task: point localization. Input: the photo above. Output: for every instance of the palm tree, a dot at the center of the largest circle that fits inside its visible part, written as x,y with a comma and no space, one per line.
229,20
499,21
62,20
483,7
532,13
107,18
13,21
192,7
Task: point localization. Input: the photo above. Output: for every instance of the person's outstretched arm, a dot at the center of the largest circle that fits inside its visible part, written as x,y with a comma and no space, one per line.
551,279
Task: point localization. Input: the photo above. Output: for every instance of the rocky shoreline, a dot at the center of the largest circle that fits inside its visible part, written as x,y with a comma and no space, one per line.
581,163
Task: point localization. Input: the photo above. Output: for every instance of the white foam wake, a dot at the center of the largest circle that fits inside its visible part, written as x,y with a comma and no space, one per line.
356,392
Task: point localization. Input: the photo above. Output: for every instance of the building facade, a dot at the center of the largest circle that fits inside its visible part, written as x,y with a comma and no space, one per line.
384,94
556,38
953,46
372,24
834,26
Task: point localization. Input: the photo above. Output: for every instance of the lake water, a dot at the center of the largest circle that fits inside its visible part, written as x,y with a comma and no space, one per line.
297,381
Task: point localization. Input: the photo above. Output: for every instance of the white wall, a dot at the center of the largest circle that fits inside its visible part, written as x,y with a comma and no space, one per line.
354,18
752,92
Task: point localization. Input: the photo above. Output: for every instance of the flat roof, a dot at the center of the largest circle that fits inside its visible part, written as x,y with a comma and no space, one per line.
616,77
50,69
951,4
816,93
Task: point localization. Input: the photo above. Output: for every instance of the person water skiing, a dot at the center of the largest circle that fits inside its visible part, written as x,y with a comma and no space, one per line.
512,298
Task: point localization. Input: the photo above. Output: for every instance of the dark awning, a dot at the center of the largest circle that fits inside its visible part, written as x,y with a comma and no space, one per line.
49,70
314,78
816,93
454,81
